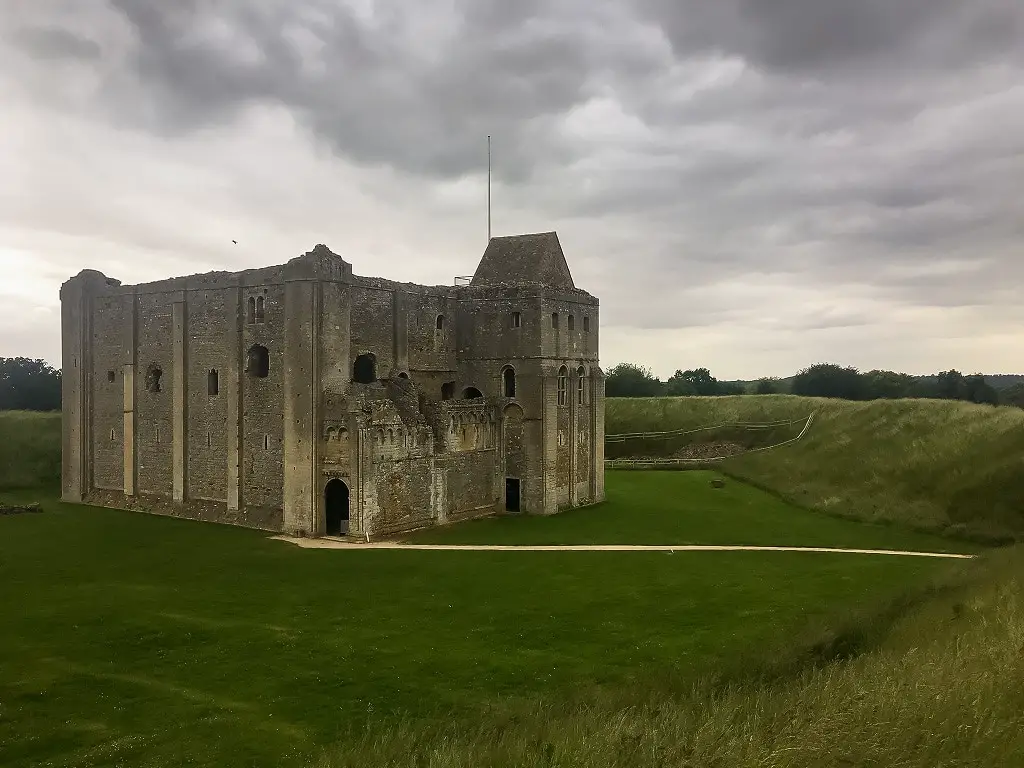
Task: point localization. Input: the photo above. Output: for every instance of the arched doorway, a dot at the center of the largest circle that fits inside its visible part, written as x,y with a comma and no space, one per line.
336,507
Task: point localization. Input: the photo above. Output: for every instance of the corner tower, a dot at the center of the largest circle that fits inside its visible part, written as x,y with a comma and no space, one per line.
530,337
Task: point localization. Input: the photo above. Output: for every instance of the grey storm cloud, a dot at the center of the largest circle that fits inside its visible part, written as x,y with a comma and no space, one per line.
823,142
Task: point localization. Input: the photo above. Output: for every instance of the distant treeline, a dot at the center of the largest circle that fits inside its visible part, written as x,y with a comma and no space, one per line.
822,380
28,385
34,385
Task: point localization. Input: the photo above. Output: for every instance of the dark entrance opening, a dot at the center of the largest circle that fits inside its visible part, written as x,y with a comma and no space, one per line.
511,494
336,507
364,369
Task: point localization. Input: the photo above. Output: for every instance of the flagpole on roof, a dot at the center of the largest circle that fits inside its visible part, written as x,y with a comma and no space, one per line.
488,188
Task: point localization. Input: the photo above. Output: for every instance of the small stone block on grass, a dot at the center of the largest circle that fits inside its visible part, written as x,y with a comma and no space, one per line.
17,509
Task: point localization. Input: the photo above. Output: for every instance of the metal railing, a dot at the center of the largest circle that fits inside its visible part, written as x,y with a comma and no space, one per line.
612,463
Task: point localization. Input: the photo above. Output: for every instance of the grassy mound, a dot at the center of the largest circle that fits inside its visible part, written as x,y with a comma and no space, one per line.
938,465
29,449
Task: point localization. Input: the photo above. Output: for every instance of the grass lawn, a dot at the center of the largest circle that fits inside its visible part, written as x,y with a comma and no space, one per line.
137,640
682,508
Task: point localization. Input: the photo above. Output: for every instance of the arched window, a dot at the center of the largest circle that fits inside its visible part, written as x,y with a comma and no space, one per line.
581,385
471,393
448,390
364,369
563,382
153,374
554,319
439,323
332,434
260,309
258,365
251,317
508,382
403,375
213,382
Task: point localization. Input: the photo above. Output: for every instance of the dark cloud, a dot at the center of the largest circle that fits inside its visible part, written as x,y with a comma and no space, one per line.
838,148
56,43
817,37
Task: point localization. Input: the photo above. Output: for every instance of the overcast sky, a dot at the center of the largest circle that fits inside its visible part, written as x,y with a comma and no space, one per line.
748,185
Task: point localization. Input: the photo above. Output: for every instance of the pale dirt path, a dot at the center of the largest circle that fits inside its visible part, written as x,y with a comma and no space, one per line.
333,543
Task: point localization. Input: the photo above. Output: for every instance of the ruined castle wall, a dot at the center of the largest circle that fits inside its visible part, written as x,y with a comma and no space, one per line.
431,349
212,329
470,483
153,402
262,404
107,391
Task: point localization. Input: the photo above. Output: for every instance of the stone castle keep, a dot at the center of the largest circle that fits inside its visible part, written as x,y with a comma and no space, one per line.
305,399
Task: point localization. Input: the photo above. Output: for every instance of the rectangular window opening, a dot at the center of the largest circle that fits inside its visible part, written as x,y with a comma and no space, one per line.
572,323
517,319
554,319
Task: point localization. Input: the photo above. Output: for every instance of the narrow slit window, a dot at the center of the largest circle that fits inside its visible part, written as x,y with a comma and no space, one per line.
517,319
266,442
581,386
508,380
586,324
112,438
213,382
572,323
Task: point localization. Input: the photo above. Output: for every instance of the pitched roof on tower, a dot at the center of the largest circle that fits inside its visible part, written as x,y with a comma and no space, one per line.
534,259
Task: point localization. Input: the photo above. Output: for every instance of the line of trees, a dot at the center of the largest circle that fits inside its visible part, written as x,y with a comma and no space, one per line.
821,380
28,385
629,380
34,385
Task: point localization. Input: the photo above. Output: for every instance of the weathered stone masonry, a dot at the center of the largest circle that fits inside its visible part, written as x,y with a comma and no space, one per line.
306,399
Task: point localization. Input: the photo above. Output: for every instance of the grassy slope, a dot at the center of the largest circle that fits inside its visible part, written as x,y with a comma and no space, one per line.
951,467
29,449
683,508
944,686
141,640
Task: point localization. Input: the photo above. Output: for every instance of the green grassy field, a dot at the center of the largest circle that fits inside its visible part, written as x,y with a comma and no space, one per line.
683,508
941,686
944,466
29,449
141,640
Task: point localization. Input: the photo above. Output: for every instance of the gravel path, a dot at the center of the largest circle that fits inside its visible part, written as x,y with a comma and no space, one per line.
334,543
